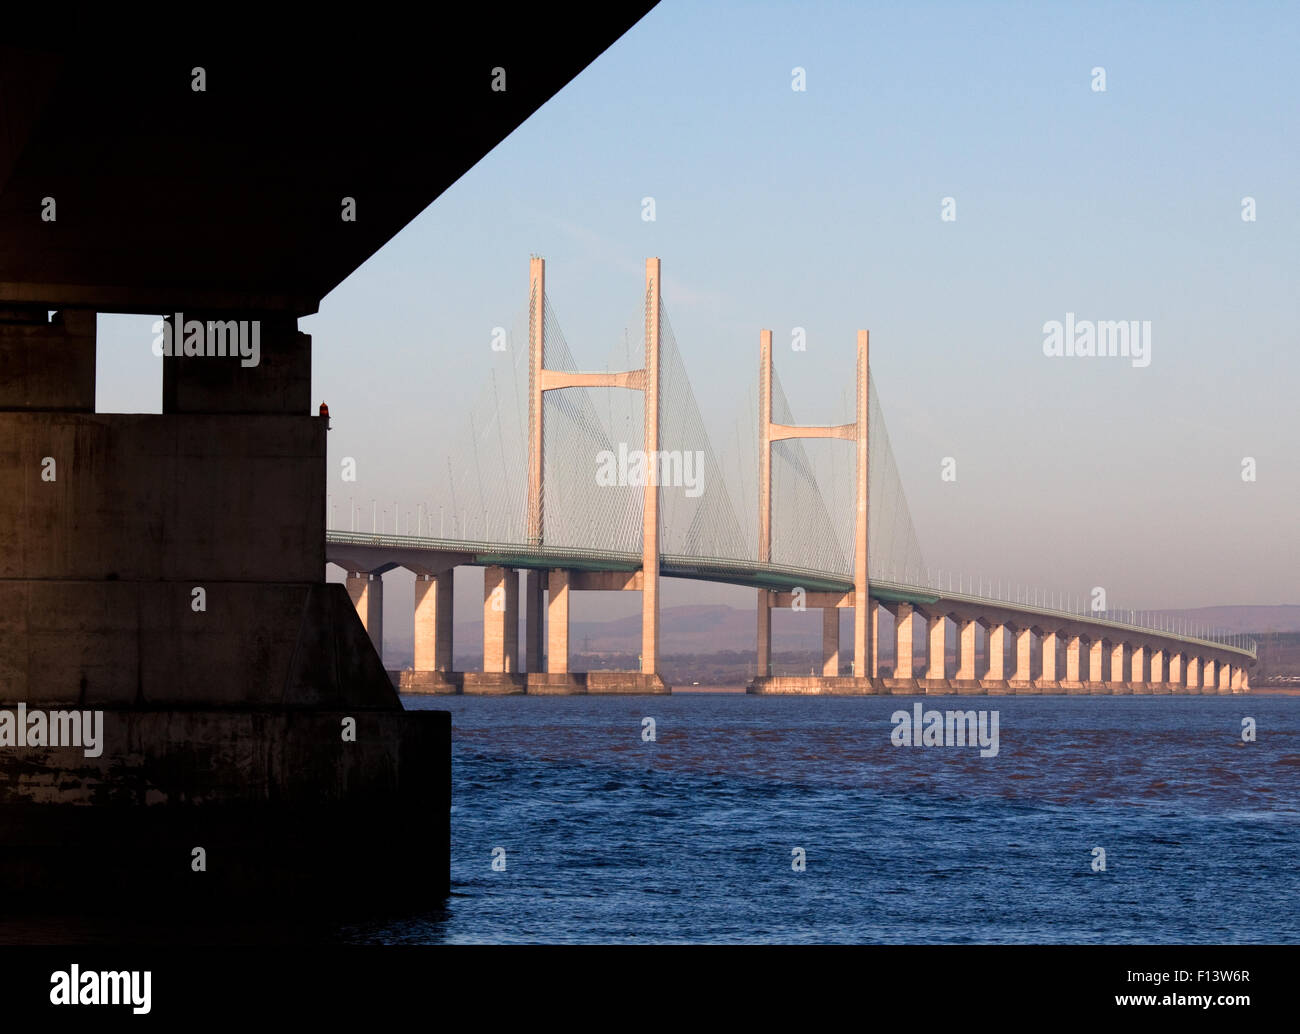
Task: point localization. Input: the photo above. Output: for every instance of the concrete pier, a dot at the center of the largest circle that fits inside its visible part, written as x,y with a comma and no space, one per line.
500,621
167,574
995,671
434,598
1125,665
366,591
904,617
966,649
1023,675
830,641
937,633
557,618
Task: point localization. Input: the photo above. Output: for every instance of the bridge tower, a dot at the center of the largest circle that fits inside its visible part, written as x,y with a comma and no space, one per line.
856,432
646,380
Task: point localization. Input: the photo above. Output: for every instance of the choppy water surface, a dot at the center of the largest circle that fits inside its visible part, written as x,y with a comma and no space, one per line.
689,838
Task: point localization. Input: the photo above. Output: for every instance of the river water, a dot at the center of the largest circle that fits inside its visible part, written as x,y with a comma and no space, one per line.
607,836
695,836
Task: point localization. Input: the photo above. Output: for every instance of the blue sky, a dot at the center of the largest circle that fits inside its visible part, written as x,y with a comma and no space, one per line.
821,209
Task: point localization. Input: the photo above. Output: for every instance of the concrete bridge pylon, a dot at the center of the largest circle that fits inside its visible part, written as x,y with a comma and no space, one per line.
865,618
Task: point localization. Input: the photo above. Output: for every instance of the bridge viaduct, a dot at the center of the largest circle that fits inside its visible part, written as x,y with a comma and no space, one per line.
1051,650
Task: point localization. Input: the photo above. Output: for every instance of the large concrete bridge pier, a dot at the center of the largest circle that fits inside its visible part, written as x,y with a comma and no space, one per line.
167,570
164,571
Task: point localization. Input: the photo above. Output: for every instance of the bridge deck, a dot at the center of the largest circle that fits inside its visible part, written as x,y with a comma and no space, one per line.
749,573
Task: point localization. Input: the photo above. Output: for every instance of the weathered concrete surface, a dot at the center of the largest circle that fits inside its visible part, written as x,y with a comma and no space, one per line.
537,683
46,365
557,622
492,683
556,683
167,571
366,591
200,498
279,383
813,685
117,644
434,602
630,682
500,621
443,683
280,801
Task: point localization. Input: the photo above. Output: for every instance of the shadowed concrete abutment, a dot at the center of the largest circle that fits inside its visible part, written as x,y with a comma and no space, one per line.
167,571
164,571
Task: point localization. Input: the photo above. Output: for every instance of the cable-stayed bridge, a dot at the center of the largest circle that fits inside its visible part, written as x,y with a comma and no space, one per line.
608,480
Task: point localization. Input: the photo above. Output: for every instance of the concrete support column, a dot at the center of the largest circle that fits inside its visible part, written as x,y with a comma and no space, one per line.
367,593
1208,673
764,633
1117,668
1236,679
1138,663
433,621
533,621
875,641
1157,673
903,618
1193,672
1049,657
1224,673
1073,647
830,641
861,646
557,623
1096,655
650,507
500,620
938,635
1176,674
966,649
996,648
1024,655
